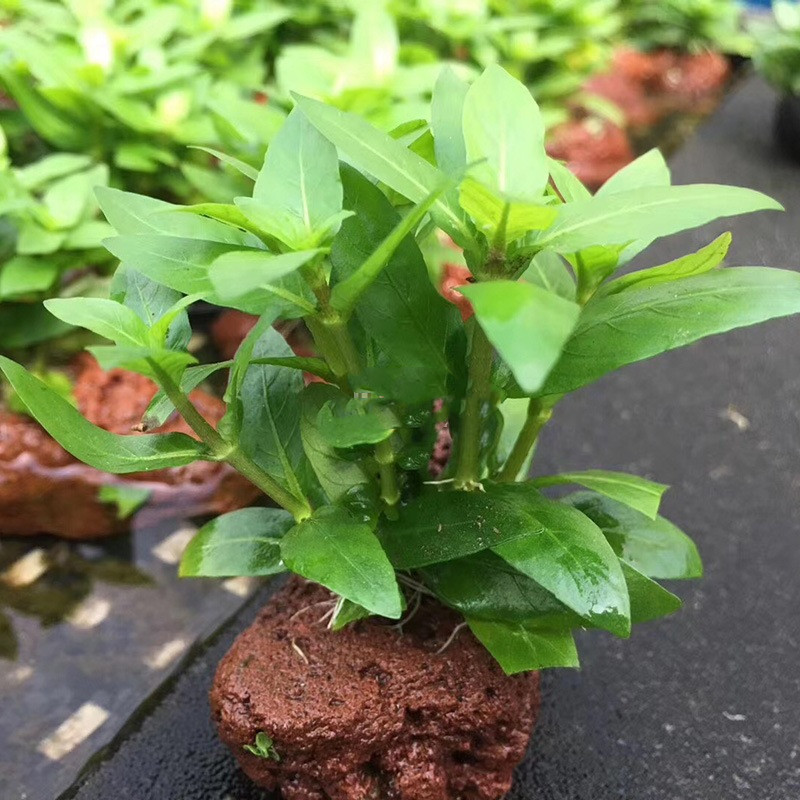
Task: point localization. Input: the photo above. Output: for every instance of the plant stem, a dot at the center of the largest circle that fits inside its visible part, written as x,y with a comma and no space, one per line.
478,394
390,491
299,508
538,417
332,336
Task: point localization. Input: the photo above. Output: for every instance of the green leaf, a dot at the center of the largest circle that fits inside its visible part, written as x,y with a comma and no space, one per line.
548,271
495,216
503,129
315,366
704,260
441,526
132,214
264,747
646,214
649,601
336,476
58,165
245,542
349,291
106,318
241,272
640,323
649,169
638,493
22,275
94,446
380,155
161,407
141,360
239,165
270,413
359,424
181,263
447,111
655,547
484,586
346,613
151,301
567,554
333,549
518,648
128,499
299,184
568,186
528,325
400,309
25,324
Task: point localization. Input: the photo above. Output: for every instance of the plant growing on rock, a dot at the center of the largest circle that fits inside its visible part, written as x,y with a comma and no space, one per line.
331,234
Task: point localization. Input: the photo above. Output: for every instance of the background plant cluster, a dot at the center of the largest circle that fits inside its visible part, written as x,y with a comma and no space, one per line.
332,231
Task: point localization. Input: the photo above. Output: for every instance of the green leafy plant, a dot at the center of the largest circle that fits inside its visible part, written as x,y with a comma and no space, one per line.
331,234
263,747
131,84
687,25
52,242
777,46
553,46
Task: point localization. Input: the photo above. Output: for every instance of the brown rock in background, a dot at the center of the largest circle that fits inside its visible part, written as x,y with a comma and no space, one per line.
593,148
43,489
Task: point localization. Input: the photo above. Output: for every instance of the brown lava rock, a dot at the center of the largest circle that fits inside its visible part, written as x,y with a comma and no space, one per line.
649,87
43,489
230,329
593,148
369,713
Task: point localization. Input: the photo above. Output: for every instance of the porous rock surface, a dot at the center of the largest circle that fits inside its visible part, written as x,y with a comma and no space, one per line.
370,713
43,489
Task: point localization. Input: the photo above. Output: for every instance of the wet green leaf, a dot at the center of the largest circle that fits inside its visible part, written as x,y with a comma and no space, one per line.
649,601
655,547
638,493
336,476
518,648
568,557
441,526
344,555
245,542
359,424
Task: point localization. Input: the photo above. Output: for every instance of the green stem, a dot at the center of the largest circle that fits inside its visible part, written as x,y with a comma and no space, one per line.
390,491
332,336
299,508
478,394
538,417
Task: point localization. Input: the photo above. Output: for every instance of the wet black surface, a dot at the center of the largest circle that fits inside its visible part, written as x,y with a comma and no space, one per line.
701,706
87,633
